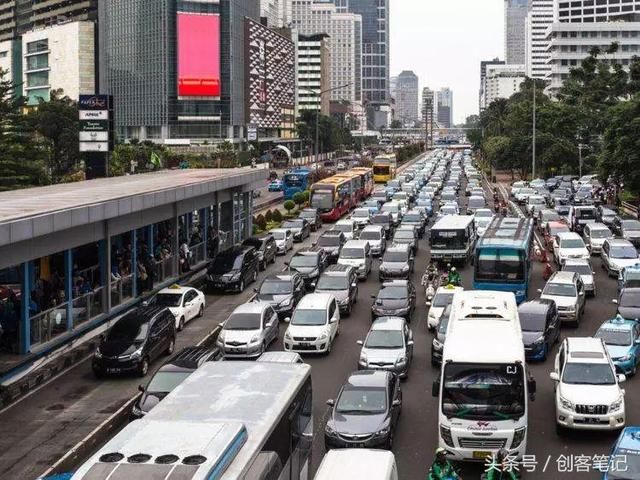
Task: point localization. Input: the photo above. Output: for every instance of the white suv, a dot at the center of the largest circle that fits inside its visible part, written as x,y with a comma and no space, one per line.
588,393
314,326
569,245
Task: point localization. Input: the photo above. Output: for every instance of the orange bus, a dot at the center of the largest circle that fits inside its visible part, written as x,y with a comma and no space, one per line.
366,174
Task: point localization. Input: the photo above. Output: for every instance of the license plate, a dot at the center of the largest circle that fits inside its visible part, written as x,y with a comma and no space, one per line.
113,370
591,420
305,344
480,455
357,445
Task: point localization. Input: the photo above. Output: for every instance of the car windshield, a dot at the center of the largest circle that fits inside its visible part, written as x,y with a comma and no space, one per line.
352,253
380,219
308,214
412,218
600,233
483,392
620,338
225,263
555,229
571,243
532,322
476,203
582,268
329,240
343,227
164,382
169,299
624,252
395,257
128,329
576,373
449,210
631,224
586,213
630,299
390,208
243,321
392,293
560,289
333,282
483,214
276,287
292,224
278,235
309,317
370,235
362,400
305,261
385,339
550,216
404,235
361,213
442,299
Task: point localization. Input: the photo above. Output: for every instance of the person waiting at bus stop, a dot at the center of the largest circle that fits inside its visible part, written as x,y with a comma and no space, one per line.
441,469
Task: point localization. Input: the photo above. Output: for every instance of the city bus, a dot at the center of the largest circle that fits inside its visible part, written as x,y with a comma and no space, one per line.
483,392
366,174
356,188
295,181
502,258
226,421
332,197
384,168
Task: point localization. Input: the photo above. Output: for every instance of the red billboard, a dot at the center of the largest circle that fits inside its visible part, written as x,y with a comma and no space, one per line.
198,55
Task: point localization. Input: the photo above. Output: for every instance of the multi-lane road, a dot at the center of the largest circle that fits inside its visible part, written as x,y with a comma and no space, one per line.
35,432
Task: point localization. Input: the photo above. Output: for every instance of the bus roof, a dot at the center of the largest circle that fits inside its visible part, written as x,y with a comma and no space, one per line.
356,464
453,222
508,232
220,398
335,180
470,342
299,171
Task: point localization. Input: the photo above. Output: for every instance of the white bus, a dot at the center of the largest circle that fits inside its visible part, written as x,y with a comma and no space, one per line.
357,464
453,239
484,305
227,421
483,389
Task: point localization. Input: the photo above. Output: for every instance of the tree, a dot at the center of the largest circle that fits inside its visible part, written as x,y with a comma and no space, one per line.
269,216
298,199
261,222
277,216
331,135
56,124
289,205
21,158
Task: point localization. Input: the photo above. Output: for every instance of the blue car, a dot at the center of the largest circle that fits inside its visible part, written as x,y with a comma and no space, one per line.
276,186
622,338
624,461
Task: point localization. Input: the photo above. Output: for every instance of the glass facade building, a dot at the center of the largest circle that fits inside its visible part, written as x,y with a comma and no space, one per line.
515,13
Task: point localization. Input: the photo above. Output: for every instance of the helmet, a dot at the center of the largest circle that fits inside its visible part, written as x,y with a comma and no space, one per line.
441,453
501,455
453,269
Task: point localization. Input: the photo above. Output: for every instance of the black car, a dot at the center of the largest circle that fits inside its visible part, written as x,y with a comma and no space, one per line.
266,249
366,412
282,291
627,228
397,262
300,228
312,215
341,281
629,303
331,242
394,299
540,327
233,269
605,215
310,263
386,220
135,340
172,374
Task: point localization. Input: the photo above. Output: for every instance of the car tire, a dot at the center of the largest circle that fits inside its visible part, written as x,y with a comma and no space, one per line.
255,276
201,311
180,324
633,371
241,286
349,309
144,367
171,348
329,346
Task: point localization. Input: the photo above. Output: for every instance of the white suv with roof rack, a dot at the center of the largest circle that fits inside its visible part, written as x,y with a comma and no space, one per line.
588,392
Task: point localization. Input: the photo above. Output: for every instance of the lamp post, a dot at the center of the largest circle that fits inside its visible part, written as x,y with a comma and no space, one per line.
320,93
581,146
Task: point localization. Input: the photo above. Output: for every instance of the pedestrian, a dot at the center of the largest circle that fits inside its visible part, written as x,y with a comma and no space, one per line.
548,271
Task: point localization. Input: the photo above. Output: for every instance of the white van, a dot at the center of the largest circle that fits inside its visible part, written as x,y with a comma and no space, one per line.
314,325
357,464
357,254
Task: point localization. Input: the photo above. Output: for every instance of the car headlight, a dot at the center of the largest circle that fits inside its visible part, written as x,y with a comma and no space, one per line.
255,339
626,358
236,276
287,335
383,432
97,353
323,335
363,359
402,359
286,302
617,405
137,353
566,404
539,341
314,273
328,429
220,339
405,268
518,437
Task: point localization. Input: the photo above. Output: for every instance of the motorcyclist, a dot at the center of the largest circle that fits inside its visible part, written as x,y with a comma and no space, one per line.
501,469
441,469
454,277
430,274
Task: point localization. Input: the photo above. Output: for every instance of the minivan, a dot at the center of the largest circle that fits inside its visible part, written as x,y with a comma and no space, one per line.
314,326
233,269
357,254
341,281
374,234
266,249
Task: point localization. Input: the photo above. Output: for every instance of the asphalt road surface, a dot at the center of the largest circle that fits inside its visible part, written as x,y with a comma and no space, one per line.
35,432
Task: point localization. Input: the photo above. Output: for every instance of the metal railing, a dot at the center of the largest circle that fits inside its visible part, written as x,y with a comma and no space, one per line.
121,290
48,324
163,269
198,253
88,306
629,209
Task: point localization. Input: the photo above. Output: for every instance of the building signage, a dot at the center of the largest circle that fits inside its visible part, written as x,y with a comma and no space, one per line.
94,146
252,133
94,114
95,133
94,125
198,55
94,136
94,102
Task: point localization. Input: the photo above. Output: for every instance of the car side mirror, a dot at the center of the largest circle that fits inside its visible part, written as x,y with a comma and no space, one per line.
141,388
615,300
410,343
396,403
581,293
373,297
554,376
312,284
637,342
331,402
287,319
539,290
360,342
314,244
286,263
622,378
354,285
269,325
435,388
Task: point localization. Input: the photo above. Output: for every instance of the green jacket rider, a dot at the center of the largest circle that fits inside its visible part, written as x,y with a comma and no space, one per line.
441,468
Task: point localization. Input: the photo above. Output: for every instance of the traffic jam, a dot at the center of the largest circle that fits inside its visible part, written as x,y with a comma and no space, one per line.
500,318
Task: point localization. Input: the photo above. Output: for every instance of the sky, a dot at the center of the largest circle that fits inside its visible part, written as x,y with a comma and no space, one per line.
443,42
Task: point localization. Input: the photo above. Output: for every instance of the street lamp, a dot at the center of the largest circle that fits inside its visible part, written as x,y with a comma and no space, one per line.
320,93
581,146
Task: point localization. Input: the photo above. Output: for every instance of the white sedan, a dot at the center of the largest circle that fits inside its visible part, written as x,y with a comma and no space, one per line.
184,303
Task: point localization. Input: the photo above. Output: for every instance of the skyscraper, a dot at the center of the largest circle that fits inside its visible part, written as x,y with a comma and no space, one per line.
483,81
584,11
375,54
445,108
276,13
407,97
20,16
539,18
515,12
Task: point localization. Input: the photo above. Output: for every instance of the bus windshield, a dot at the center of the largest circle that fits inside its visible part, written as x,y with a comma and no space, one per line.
293,180
500,265
483,392
381,169
448,239
322,199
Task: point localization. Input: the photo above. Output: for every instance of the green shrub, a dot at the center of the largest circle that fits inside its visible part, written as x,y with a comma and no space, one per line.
268,216
298,199
277,216
289,205
261,222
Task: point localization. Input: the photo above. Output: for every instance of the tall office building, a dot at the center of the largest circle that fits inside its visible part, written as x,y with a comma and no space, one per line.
482,100
20,16
502,81
445,108
407,98
345,40
515,12
375,55
314,72
170,68
275,13
584,11
539,18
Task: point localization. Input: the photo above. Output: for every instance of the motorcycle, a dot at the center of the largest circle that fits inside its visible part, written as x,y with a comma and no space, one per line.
429,292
